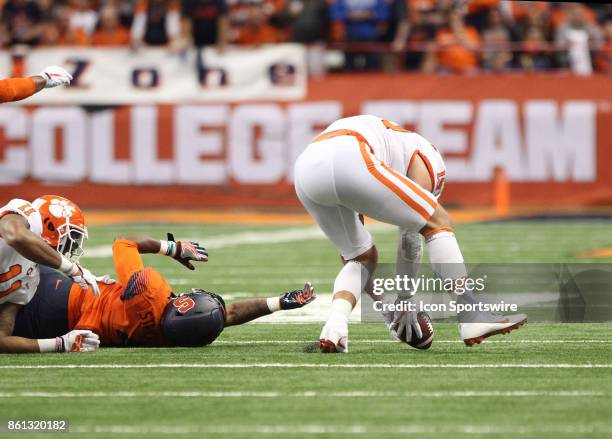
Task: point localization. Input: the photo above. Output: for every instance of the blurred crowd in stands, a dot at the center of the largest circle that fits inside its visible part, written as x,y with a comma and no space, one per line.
427,35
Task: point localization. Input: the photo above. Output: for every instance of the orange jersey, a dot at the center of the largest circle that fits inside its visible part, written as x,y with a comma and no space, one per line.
15,89
128,312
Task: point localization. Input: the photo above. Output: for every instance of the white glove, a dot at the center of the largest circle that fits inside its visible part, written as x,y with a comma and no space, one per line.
78,340
106,280
86,280
56,76
405,320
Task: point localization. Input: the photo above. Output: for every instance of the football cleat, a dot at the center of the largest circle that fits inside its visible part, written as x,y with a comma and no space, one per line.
488,325
334,337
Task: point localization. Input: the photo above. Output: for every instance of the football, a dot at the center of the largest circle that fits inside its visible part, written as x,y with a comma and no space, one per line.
426,340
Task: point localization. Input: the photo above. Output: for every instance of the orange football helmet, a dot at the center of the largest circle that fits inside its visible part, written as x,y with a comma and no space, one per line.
63,225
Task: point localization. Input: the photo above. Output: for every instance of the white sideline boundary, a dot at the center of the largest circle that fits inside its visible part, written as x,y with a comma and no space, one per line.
347,394
335,429
313,366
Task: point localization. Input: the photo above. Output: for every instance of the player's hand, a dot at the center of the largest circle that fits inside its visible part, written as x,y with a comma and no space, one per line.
106,280
297,298
184,252
78,340
405,320
56,76
85,279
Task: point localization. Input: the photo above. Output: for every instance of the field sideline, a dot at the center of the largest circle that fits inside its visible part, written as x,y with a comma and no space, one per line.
544,380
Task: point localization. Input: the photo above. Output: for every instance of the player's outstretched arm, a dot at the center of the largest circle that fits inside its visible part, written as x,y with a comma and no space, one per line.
74,341
182,251
246,310
16,89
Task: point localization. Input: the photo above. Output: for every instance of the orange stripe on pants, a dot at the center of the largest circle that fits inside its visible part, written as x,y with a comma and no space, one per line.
371,166
396,189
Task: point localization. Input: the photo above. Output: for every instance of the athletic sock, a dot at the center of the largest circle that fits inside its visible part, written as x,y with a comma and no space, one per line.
447,262
445,256
340,310
352,279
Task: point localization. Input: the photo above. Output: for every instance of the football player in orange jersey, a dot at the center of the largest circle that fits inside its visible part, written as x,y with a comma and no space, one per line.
49,231
16,89
140,308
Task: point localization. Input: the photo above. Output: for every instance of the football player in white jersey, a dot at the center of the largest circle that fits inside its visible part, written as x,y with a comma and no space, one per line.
50,231
370,166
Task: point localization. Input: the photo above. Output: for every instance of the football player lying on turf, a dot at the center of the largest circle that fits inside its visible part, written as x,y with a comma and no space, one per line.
49,231
140,308
368,165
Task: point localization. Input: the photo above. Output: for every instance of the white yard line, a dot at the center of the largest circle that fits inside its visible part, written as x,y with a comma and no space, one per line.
314,366
265,342
337,429
313,394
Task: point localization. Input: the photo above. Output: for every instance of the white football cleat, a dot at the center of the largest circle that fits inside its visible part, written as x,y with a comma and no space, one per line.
334,337
488,325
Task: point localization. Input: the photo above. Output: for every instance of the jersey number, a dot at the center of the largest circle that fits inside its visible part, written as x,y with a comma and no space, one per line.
14,270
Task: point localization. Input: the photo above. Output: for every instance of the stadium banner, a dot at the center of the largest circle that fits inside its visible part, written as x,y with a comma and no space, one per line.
149,76
552,135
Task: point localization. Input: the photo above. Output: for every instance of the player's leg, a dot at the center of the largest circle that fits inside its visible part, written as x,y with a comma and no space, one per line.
447,262
407,263
344,229
348,285
315,187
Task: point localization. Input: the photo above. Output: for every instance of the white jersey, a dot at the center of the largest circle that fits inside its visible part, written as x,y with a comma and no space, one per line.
19,276
395,146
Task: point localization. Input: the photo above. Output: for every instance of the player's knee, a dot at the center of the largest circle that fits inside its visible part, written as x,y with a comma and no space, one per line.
369,259
438,220
410,246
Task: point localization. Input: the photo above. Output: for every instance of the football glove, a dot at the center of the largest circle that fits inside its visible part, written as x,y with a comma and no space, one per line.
56,76
405,320
297,298
184,252
78,340
106,280
85,280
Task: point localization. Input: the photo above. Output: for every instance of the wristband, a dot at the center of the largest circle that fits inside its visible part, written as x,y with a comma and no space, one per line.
50,344
273,303
68,267
167,248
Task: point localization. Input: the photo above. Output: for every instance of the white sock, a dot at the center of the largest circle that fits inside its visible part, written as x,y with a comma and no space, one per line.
445,256
352,278
447,261
340,310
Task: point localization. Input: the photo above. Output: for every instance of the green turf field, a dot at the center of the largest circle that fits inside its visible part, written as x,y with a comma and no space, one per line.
542,381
